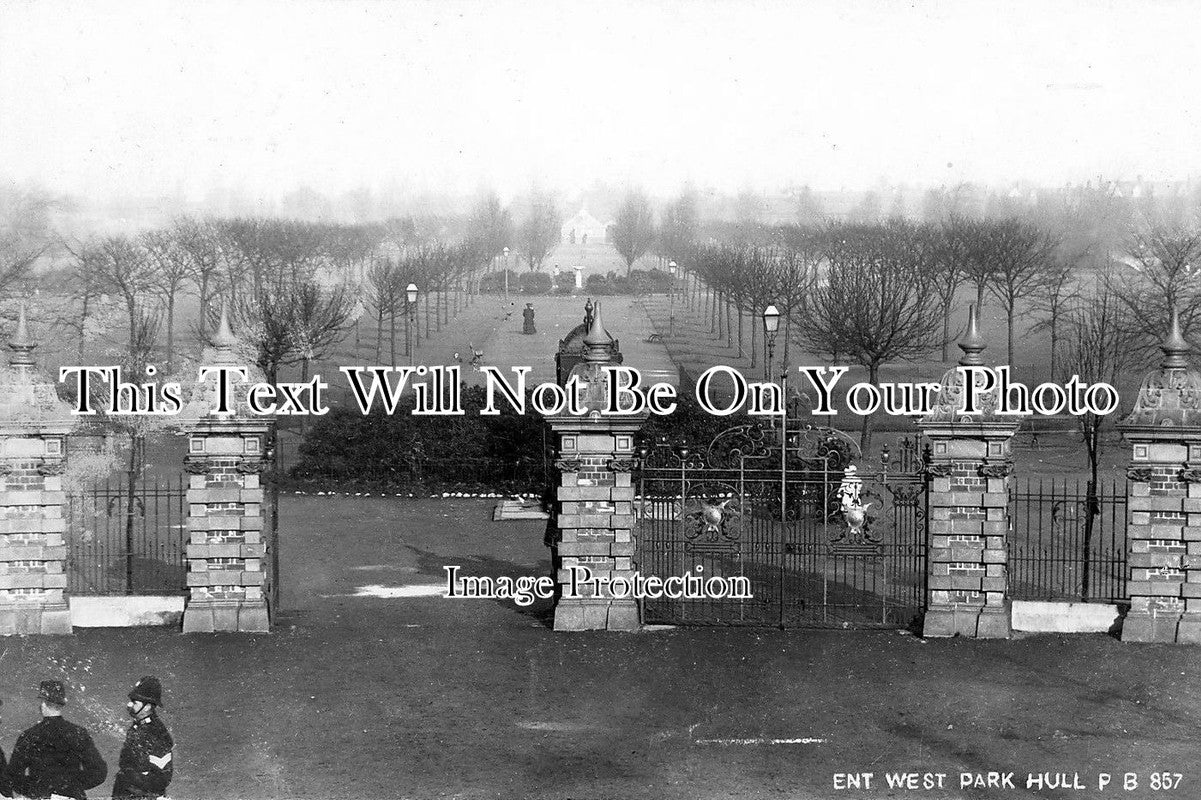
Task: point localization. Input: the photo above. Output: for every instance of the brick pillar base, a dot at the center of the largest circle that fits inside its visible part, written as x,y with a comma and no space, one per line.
226,574
1164,537
33,550
594,523
969,507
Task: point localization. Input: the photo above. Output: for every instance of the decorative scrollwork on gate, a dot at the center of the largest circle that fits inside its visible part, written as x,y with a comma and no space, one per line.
733,447
758,446
812,447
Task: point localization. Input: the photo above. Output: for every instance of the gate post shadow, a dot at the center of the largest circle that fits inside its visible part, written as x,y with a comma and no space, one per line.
34,425
592,516
970,466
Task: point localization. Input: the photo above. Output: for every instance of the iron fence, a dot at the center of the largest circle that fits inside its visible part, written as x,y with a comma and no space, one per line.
1067,542
128,536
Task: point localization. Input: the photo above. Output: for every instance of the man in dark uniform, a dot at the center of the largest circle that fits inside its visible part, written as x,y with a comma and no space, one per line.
5,790
55,757
145,767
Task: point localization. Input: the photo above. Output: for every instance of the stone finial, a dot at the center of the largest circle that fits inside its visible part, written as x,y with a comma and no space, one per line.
22,344
948,403
972,344
597,340
1175,348
1170,397
224,343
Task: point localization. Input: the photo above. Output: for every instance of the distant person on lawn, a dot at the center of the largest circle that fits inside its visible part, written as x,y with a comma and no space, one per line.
145,767
55,757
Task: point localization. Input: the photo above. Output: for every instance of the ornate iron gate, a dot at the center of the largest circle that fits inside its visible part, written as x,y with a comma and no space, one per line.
128,537
821,542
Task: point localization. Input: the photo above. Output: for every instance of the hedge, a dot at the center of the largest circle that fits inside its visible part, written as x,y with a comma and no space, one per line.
508,452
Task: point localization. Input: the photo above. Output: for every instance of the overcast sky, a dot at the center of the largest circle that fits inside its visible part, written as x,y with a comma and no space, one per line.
151,97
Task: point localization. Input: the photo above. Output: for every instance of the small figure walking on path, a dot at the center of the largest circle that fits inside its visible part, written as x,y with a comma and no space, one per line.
527,325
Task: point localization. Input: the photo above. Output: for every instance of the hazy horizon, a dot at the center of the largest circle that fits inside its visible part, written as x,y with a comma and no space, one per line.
187,99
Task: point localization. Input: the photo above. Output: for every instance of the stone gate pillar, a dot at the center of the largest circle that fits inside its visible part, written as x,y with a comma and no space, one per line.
593,511
969,507
227,576
1163,537
34,425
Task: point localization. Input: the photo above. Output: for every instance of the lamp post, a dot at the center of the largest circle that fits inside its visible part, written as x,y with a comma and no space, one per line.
506,277
771,325
671,294
411,297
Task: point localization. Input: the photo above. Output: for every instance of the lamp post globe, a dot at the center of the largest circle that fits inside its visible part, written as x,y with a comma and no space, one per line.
771,326
411,297
671,298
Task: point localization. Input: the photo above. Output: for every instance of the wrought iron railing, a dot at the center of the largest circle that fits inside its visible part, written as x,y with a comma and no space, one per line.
1067,542
128,537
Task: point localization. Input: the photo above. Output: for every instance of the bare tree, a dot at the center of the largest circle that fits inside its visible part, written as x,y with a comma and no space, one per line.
634,228
678,227
874,305
869,209
124,268
948,245
15,263
25,232
1164,272
320,319
541,230
1059,291
491,225
82,283
1098,348
1021,256
200,241
171,267
795,269
381,287
809,210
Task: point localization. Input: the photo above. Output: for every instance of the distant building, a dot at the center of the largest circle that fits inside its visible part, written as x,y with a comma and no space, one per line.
583,225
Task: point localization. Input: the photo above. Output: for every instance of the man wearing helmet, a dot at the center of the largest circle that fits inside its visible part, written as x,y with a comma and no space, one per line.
145,767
